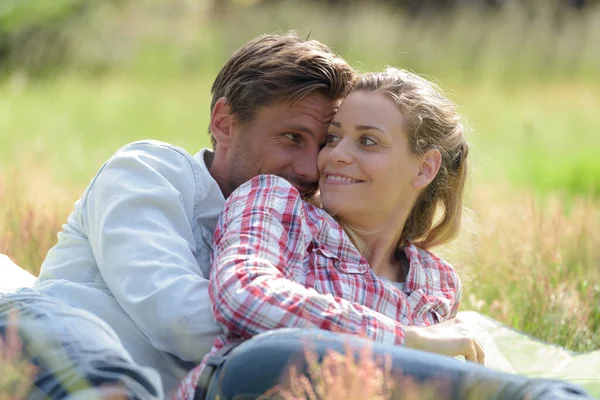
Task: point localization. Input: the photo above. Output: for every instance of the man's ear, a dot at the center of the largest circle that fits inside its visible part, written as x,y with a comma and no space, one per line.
221,121
429,165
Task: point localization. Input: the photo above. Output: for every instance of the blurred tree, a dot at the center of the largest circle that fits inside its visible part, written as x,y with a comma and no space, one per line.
30,31
418,6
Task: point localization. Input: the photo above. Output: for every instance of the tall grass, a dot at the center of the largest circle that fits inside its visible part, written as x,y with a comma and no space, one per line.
531,263
16,372
31,215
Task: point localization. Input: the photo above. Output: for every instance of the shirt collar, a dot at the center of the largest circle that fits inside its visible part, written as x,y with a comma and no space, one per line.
211,198
416,277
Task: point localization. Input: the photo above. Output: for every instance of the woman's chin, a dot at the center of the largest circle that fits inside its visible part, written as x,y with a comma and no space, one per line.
337,209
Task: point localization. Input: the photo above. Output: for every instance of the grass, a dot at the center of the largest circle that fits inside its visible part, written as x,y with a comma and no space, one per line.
531,263
351,377
16,372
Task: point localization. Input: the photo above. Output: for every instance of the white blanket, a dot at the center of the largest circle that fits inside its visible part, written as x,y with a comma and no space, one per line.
12,276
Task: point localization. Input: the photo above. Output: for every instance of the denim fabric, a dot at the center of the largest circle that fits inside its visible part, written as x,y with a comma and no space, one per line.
258,364
77,355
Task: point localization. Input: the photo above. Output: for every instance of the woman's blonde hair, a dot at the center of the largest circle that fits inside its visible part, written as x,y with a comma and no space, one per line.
432,123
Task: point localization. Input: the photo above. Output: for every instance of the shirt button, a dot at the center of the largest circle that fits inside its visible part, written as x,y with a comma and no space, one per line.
336,263
404,320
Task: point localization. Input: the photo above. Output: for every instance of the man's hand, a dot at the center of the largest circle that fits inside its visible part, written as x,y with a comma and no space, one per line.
451,338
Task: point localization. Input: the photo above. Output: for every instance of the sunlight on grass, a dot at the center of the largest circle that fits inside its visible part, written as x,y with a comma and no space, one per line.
33,210
531,263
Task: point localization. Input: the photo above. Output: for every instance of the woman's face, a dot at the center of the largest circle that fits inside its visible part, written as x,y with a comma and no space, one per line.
366,167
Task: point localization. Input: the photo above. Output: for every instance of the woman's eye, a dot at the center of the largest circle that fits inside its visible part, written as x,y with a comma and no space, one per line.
366,141
330,139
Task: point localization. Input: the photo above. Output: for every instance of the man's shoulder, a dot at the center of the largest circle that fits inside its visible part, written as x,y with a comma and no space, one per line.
149,165
154,148
152,157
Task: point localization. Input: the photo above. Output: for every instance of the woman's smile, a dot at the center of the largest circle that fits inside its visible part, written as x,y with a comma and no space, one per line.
337,178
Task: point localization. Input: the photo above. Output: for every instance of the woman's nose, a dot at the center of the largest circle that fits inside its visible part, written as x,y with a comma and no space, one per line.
341,153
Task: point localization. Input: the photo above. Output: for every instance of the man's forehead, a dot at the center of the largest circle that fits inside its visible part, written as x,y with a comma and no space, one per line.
317,106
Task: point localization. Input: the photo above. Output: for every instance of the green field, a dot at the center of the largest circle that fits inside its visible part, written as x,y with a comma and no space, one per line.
530,249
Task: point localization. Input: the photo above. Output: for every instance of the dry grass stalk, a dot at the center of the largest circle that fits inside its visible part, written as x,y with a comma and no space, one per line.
16,372
346,377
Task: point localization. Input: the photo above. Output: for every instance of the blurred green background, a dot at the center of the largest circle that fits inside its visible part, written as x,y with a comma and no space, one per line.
81,78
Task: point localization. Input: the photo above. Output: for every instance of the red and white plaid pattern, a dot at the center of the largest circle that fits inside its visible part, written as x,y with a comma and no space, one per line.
281,262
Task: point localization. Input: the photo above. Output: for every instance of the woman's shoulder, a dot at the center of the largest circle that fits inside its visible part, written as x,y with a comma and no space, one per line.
262,184
265,190
280,197
431,264
425,257
266,193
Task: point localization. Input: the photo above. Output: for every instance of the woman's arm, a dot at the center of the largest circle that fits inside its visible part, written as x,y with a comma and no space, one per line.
262,231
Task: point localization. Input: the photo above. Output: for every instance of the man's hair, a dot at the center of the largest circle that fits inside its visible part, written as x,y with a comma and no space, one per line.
277,67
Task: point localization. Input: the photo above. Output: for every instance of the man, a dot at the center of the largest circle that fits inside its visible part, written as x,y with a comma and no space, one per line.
133,258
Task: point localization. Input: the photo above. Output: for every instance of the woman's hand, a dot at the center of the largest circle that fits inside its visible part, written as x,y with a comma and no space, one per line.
451,338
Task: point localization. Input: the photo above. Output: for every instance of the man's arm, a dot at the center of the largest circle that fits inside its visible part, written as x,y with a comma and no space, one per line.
137,215
261,232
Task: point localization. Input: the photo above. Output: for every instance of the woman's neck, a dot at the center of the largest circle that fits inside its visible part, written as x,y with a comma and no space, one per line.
383,255
382,246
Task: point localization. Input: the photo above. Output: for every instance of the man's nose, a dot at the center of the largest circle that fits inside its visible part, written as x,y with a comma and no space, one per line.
306,166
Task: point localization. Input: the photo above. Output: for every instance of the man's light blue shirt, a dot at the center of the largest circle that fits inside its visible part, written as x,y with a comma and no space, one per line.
136,253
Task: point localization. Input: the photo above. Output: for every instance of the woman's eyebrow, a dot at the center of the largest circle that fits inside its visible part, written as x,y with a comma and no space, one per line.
359,127
368,128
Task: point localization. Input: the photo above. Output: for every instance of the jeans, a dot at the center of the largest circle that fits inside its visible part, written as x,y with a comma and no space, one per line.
76,354
254,366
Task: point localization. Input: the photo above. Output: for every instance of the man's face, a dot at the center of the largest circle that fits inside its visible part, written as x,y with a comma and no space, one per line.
283,139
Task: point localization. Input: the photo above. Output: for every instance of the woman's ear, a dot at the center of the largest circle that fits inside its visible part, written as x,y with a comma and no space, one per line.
429,165
220,122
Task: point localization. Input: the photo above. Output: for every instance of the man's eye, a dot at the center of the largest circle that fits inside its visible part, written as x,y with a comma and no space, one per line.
292,136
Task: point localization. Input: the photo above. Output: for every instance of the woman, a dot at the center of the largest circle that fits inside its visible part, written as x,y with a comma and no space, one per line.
395,154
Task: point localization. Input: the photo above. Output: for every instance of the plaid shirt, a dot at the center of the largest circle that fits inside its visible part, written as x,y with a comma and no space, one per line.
281,262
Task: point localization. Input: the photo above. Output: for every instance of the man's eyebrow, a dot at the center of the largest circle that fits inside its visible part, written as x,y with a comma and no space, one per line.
336,124
298,128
